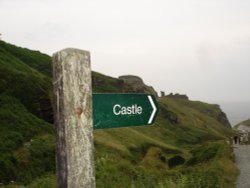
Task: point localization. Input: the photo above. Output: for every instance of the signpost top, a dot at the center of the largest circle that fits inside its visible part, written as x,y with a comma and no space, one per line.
123,110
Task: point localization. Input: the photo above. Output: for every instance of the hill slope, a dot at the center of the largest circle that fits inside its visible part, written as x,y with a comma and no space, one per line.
246,123
185,148
25,111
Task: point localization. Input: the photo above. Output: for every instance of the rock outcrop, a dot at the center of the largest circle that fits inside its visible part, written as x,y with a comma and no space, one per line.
218,114
177,96
137,85
222,118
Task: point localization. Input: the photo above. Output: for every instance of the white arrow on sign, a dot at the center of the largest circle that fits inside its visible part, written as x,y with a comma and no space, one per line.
154,109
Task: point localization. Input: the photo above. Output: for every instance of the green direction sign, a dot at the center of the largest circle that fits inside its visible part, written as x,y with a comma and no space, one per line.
123,110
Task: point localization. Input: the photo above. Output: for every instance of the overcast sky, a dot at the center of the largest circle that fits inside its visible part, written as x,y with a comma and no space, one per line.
197,47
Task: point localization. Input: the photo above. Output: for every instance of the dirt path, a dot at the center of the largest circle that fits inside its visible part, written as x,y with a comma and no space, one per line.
242,155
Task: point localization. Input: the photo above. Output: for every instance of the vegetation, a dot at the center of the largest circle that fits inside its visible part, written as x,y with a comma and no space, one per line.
185,148
246,123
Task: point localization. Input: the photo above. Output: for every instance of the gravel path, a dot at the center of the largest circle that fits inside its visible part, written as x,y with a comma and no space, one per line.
242,155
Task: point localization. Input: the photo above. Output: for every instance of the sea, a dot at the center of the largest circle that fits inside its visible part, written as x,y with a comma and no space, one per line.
236,111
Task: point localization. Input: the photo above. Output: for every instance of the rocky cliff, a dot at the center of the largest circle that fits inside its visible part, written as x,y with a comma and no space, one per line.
137,85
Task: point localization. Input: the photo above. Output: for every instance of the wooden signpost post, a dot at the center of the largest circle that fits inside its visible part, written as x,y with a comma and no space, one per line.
73,116
73,119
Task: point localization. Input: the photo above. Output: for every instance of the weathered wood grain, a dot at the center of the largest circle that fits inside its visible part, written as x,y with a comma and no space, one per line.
73,118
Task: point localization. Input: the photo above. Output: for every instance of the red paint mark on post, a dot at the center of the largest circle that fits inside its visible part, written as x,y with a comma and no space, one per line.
79,111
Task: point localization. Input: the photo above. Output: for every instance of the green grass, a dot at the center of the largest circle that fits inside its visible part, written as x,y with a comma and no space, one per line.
246,123
46,181
35,59
146,151
19,132
185,148
25,83
25,111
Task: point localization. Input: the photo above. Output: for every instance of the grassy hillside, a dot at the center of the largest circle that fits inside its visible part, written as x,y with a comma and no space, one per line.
185,148
34,59
246,123
20,80
25,111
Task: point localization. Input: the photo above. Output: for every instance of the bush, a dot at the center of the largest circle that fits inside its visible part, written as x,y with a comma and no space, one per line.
204,153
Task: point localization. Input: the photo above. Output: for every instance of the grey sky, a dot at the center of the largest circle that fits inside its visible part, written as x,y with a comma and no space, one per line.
197,47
